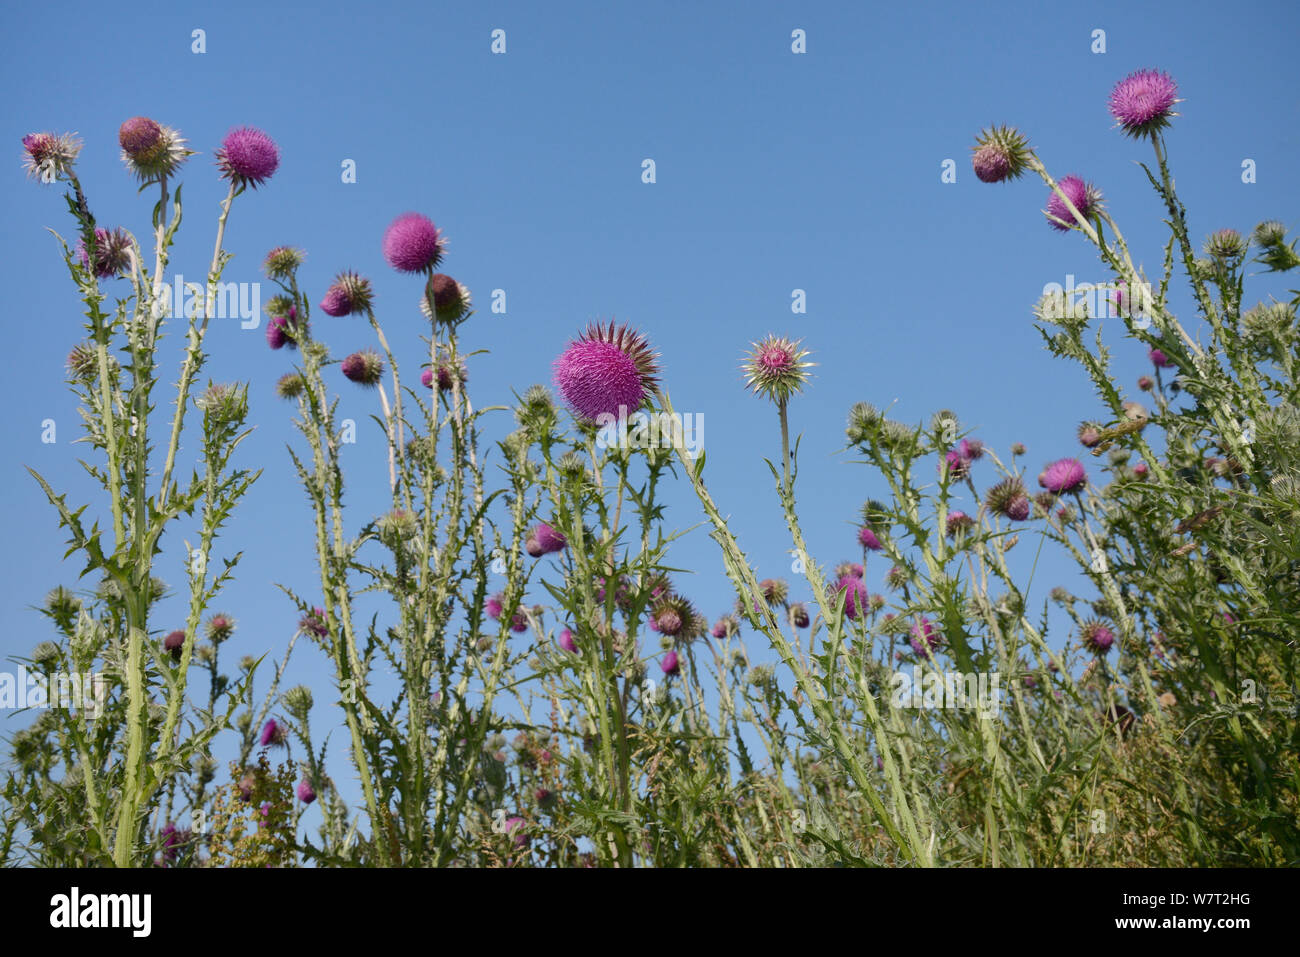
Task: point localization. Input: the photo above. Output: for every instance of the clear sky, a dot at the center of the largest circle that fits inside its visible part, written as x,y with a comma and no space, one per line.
775,172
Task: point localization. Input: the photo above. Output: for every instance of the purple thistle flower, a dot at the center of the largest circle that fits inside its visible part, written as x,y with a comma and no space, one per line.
958,522
1063,476
445,300
247,157
140,138
971,449
270,732
607,371
349,293
306,793
544,540
1000,154
1143,102
1140,470
867,538
567,643
1083,196
1018,508
174,643
925,637
412,243
1159,359
958,465
515,828
1097,638
313,623
494,607
364,368
855,595
112,253
670,665
283,330
775,367
48,155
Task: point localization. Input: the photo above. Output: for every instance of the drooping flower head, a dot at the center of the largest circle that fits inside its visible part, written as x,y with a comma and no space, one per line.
445,300
1084,196
1000,154
349,293
867,539
775,367
112,253
313,623
306,793
175,643
47,156
364,368
1143,102
1097,638
1089,435
544,540
1063,476
776,591
608,370
285,329
412,243
151,150
247,157
958,465
674,616
799,615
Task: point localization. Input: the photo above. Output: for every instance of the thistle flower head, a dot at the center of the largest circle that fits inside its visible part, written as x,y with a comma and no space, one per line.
1000,154
1063,476
1089,434
282,262
958,466
306,793
956,522
855,595
897,577
364,368
273,734
670,664
445,300
1146,383
1270,233
864,419
1000,497
567,643
1085,197
348,294
285,329
290,385
852,569
47,156
63,606
151,150
674,616
412,243
397,527
1143,102
868,540
799,615
313,623
298,701
727,626
1096,637
925,637
112,253
247,157
83,362
1159,359
174,643
1225,245
224,402
608,370
545,540
444,374
775,367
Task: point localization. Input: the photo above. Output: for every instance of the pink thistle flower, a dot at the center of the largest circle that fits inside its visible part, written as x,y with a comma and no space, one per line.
1143,102
971,449
174,643
925,637
445,300
112,253
1140,470
412,243
855,595
1084,197
1159,359
669,664
494,607
850,568
544,540
306,793
567,643
1018,508
867,538
1000,154
247,157
285,330
958,522
48,155
151,150
364,368
313,623
607,371
958,465
1097,638
515,828
348,294
1063,476
775,367
272,734
1145,383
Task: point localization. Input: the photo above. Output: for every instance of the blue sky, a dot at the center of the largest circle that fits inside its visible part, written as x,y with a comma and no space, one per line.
775,172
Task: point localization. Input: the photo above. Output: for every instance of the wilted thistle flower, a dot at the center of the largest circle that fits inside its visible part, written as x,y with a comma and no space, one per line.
1145,383
247,157
1000,154
298,701
1084,196
412,243
1063,476
855,595
282,262
545,540
313,623
958,467
606,371
1006,497
1089,434
775,367
775,591
799,615
445,300
348,294
364,368
864,420
1159,359
1225,245
224,402
1096,637
925,637
443,375
1143,102
47,156
956,522
273,734
726,627
1270,233
62,606
290,385
112,253
151,150
306,793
